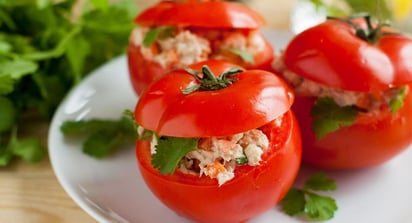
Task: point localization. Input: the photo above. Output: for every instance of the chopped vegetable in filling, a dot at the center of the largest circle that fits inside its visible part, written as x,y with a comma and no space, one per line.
186,46
364,101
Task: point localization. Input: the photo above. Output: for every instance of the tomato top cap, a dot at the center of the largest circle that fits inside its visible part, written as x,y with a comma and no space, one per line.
332,53
250,100
213,14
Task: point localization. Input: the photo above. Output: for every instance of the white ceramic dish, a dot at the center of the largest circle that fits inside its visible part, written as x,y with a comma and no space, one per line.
111,190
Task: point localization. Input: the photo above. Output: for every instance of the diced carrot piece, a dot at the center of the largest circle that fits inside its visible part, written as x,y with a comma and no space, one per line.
212,170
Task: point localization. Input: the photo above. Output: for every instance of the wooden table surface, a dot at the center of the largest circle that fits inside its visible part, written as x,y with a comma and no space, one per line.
30,193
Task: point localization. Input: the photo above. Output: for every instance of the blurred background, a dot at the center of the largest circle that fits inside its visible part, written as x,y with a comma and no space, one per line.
297,15
277,15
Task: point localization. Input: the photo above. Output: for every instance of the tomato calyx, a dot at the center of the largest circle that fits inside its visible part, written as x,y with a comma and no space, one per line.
209,82
371,33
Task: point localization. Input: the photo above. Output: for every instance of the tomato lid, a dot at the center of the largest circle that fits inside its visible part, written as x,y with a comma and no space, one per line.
253,100
213,14
332,54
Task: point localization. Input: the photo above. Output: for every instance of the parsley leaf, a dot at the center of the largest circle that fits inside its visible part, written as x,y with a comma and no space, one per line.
294,202
29,149
351,7
397,102
103,137
328,116
7,114
320,182
306,202
319,207
246,56
46,48
156,33
169,152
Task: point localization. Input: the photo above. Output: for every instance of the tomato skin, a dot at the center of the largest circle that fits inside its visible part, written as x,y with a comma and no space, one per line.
142,72
198,14
331,54
252,191
371,141
256,98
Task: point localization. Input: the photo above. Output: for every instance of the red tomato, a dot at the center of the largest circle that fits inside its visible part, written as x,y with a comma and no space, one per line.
253,190
331,54
257,97
371,141
198,14
195,16
248,103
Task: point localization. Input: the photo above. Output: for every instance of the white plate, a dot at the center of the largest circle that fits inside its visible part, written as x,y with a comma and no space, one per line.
111,190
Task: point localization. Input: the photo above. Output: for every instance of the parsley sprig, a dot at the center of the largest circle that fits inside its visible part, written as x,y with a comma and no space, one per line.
397,102
102,136
328,116
157,33
46,48
307,202
169,152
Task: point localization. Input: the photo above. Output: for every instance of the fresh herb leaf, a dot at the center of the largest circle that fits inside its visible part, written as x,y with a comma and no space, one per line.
29,149
17,68
169,152
350,7
317,3
6,84
7,114
46,48
294,202
319,207
103,136
328,116
101,4
142,133
397,102
246,56
77,58
320,182
241,160
156,33
6,155
310,204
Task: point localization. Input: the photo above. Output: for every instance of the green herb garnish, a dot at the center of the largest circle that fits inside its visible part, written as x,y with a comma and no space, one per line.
103,136
29,149
397,102
157,33
246,56
310,204
328,116
46,48
169,152
241,160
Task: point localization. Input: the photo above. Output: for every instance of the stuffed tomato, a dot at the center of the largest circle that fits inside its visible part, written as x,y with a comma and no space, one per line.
218,143
174,34
353,101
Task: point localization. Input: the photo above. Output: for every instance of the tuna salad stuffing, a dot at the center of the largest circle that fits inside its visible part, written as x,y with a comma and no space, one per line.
187,46
365,101
217,157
